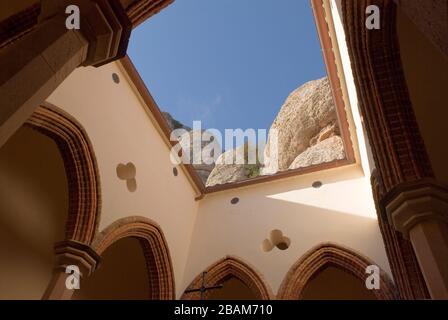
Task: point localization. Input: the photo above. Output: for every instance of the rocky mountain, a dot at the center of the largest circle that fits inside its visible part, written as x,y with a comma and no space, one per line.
307,134
322,152
173,123
226,173
307,117
187,142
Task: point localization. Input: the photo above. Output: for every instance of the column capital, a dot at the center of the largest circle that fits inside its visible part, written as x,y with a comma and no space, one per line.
76,253
409,204
104,23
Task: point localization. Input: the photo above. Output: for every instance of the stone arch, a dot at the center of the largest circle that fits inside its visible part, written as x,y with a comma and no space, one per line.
80,166
236,267
329,254
155,250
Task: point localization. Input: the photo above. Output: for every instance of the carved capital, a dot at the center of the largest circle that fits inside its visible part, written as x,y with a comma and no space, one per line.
409,204
77,254
104,24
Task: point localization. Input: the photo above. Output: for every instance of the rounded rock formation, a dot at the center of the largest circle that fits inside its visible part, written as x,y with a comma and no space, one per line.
325,151
234,165
307,117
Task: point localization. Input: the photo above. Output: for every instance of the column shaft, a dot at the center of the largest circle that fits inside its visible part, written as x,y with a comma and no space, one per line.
430,242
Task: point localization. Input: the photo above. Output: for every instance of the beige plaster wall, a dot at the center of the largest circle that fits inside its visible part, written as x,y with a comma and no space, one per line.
33,210
341,212
121,131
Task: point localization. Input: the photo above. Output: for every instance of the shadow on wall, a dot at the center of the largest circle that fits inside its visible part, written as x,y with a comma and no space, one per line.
335,284
122,274
298,183
33,210
427,83
337,212
350,195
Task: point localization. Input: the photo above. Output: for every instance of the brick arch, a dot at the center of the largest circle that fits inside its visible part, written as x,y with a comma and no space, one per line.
325,255
80,167
392,129
155,250
232,266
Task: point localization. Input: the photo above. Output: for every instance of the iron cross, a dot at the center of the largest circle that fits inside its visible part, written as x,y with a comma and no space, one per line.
203,289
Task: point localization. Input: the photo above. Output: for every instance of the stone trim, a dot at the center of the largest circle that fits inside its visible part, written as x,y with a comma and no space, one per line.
330,254
155,249
330,52
104,24
80,166
141,10
413,203
228,267
76,253
70,253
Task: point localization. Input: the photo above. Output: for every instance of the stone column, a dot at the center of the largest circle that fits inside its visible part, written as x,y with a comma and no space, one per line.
419,210
70,253
35,65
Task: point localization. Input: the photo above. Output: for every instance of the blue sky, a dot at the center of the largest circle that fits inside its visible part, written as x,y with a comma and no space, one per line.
229,63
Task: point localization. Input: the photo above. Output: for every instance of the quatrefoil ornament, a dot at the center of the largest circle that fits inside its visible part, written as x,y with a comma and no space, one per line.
128,172
276,240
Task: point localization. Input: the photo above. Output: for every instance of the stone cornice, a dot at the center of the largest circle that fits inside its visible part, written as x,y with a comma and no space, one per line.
412,203
103,23
76,253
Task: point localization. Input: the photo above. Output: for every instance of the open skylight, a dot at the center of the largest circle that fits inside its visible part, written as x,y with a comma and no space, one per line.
256,66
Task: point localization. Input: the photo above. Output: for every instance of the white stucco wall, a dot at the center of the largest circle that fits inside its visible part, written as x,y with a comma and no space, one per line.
341,211
121,131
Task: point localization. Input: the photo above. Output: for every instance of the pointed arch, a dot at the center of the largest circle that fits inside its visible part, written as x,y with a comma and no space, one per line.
232,266
155,250
80,166
330,254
